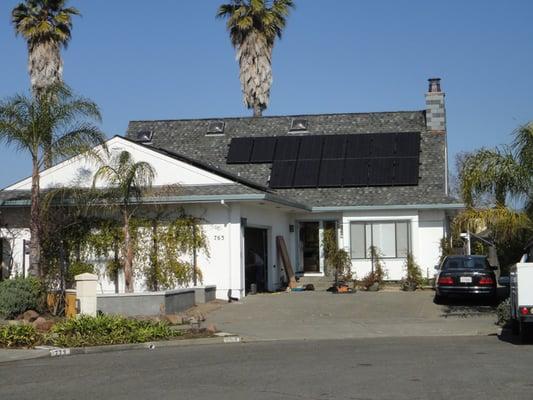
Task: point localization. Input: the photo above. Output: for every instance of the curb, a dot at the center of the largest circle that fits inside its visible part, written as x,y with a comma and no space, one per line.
222,338
61,352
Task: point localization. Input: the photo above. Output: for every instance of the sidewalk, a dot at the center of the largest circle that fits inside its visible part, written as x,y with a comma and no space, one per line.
8,355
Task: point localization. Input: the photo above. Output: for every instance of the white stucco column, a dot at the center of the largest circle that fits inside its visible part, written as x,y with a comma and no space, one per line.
86,293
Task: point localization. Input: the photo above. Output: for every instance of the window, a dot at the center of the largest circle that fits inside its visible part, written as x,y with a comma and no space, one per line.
391,238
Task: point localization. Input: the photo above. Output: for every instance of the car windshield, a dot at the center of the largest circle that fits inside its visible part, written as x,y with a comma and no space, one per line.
465,263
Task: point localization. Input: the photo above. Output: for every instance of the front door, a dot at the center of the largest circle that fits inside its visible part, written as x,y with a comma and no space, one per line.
256,260
310,246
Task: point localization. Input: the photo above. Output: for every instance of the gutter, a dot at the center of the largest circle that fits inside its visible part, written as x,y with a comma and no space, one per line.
438,206
191,199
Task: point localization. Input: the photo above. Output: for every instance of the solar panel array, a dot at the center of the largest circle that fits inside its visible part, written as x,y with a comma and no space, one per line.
378,159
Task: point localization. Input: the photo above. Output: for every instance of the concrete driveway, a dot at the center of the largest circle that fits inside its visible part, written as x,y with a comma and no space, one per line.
323,315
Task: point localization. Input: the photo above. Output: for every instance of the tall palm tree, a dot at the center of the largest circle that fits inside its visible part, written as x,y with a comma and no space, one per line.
253,26
46,25
54,120
126,180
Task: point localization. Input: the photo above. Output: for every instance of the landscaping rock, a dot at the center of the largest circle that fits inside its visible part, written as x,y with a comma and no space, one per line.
174,319
30,316
42,324
211,328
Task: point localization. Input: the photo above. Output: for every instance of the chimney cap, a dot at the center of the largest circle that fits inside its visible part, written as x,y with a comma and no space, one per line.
434,85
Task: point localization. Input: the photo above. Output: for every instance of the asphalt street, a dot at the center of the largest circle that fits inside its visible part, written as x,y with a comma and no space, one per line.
383,368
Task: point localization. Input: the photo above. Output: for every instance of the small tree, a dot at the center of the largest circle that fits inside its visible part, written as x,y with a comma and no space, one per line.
374,279
413,279
127,180
337,260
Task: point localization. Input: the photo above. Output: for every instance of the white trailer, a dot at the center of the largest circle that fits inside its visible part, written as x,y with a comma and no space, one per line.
522,297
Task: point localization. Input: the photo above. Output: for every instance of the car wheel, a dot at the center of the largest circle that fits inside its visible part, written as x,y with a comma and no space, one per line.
515,327
437,299
524,332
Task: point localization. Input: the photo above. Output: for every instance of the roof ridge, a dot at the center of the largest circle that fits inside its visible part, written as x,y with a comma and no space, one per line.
278,116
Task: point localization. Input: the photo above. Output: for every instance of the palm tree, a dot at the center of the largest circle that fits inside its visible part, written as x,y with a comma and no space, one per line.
46,25
126,180
493,171
57,121
253,26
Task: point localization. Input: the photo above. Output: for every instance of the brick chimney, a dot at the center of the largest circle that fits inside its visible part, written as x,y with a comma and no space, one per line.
435,107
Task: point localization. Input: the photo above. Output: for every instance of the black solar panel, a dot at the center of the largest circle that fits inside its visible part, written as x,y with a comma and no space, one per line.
406,171
311,147
287,148
380,159
263,150
334,146
306,174
359,146
331,172
408,144
381,172
384,144
240,150
356,172
282,175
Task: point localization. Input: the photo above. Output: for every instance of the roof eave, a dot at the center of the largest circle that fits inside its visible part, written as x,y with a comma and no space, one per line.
437,206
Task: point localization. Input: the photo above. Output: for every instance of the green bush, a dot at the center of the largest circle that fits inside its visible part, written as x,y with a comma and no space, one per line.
20,294
503,311
107,329
413,279
16,336
77,268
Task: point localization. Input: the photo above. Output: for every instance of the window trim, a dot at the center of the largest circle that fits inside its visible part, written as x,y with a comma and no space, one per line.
395,222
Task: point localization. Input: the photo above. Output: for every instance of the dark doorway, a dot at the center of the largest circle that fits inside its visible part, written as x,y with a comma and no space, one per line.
310,246
255,259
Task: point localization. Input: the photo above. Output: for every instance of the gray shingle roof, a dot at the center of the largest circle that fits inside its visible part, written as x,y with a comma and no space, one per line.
188,137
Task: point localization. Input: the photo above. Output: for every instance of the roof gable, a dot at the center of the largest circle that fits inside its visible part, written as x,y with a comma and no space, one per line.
79,171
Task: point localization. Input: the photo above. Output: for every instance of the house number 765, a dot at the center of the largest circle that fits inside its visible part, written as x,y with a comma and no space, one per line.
219,237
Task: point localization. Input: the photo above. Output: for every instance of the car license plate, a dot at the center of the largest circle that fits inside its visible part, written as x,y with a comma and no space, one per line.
465,279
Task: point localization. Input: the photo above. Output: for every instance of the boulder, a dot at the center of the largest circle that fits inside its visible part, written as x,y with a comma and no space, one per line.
42,324
30,316
211,328
174,319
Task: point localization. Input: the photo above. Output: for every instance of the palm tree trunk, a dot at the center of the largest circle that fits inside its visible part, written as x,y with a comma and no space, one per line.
258,111
128,252
35,240
46,69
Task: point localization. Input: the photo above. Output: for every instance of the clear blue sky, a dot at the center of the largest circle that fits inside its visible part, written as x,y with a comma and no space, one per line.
170,59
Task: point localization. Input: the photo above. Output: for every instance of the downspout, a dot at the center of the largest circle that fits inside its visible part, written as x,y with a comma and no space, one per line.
230,259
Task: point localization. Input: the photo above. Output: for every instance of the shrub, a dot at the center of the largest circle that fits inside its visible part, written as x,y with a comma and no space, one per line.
378,274
15,336
107,329
414,279
77,268
503,311
20,294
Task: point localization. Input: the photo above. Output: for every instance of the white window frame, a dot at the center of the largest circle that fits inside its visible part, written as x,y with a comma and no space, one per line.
371,223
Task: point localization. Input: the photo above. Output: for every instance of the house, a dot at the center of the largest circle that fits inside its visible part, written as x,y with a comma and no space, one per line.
377,179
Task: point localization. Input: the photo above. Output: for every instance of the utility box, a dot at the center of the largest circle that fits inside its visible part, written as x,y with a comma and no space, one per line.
86,293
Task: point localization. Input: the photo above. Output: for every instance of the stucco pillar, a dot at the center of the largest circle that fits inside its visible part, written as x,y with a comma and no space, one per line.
86,293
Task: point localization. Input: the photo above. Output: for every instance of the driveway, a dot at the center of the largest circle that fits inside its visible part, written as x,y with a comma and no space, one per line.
323,315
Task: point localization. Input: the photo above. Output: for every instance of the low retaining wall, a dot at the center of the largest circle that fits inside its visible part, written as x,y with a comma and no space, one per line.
205,294
135,304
